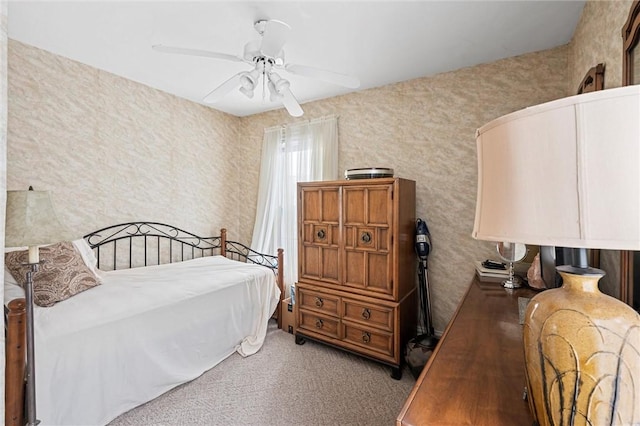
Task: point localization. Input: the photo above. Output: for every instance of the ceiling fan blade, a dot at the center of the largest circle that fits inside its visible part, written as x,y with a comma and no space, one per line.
291,103
216,94
328,76
196,52
273,38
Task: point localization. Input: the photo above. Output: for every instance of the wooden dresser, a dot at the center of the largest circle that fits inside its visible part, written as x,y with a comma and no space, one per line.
357,266
476,375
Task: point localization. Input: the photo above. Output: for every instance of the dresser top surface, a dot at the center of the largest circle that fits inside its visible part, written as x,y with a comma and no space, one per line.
355,182
476,376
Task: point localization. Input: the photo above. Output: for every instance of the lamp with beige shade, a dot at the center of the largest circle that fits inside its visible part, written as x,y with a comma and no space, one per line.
31,222
567,173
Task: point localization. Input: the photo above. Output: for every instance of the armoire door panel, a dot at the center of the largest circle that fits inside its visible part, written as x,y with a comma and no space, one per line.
355,268
320,205
378,203
310,202
310,261
330,265
354,200
349,236
319,213
331,205
384,239
379,272
320,263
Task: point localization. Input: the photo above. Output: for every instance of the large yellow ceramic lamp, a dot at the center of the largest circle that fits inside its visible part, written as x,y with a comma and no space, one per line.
566,174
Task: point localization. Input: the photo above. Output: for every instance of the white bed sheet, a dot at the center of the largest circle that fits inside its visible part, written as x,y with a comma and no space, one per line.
145,331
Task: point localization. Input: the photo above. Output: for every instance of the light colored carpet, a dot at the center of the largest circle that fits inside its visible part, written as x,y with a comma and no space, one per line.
283,384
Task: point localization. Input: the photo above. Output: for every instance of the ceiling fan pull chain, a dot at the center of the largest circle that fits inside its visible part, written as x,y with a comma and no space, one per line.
264,84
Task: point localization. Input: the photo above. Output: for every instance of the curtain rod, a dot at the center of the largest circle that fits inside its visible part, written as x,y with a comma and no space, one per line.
299,123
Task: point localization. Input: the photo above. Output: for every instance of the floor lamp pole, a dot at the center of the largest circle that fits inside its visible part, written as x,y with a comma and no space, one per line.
31,366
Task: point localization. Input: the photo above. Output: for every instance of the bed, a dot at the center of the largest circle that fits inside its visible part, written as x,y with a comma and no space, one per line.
170,306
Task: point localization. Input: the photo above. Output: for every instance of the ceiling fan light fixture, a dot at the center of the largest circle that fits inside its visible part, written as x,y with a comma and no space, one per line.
247,82
279,60
282,85
248,92
279,84
250,79
274,95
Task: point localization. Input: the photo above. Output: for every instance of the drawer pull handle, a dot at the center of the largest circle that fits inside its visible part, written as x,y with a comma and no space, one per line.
366,313
319,323
319,302
321,234
365,237
366,337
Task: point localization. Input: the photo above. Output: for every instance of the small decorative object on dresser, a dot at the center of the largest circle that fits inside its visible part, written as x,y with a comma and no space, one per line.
356,266
368,173
534,274
511,252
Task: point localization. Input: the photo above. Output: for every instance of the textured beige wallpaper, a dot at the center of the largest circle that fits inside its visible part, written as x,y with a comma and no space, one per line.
112,150
598,39
3,163
425,130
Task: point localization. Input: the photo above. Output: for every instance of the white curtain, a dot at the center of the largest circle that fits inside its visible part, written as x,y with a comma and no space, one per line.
301,152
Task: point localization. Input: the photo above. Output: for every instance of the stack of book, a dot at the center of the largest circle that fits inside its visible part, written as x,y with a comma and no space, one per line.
495,274
490,274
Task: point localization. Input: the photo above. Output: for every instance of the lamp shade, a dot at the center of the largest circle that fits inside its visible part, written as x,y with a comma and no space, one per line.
564,173
32,221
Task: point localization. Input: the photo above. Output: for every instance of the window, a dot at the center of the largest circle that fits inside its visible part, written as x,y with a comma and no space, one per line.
295,153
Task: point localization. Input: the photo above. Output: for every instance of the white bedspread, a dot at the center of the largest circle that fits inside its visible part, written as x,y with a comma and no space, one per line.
144,331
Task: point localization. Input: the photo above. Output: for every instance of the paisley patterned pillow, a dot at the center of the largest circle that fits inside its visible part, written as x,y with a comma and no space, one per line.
62,273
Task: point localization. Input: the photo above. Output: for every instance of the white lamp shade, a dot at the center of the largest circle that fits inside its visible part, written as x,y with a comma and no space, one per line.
32,221
564,173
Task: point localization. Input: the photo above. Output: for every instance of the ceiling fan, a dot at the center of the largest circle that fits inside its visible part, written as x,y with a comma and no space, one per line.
266,56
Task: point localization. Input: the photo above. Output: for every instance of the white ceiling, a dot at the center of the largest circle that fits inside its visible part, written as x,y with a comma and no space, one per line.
380,42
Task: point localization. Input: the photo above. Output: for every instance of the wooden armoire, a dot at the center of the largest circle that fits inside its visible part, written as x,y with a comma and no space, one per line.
356,286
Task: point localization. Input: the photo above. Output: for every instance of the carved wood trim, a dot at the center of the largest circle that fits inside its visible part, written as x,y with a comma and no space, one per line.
593,80
630,38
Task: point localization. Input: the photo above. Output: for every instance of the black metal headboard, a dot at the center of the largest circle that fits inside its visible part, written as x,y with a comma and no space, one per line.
128,245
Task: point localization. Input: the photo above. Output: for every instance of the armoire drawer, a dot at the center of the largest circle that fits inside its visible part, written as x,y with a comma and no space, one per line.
319,324
369,338
319,302
368,315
